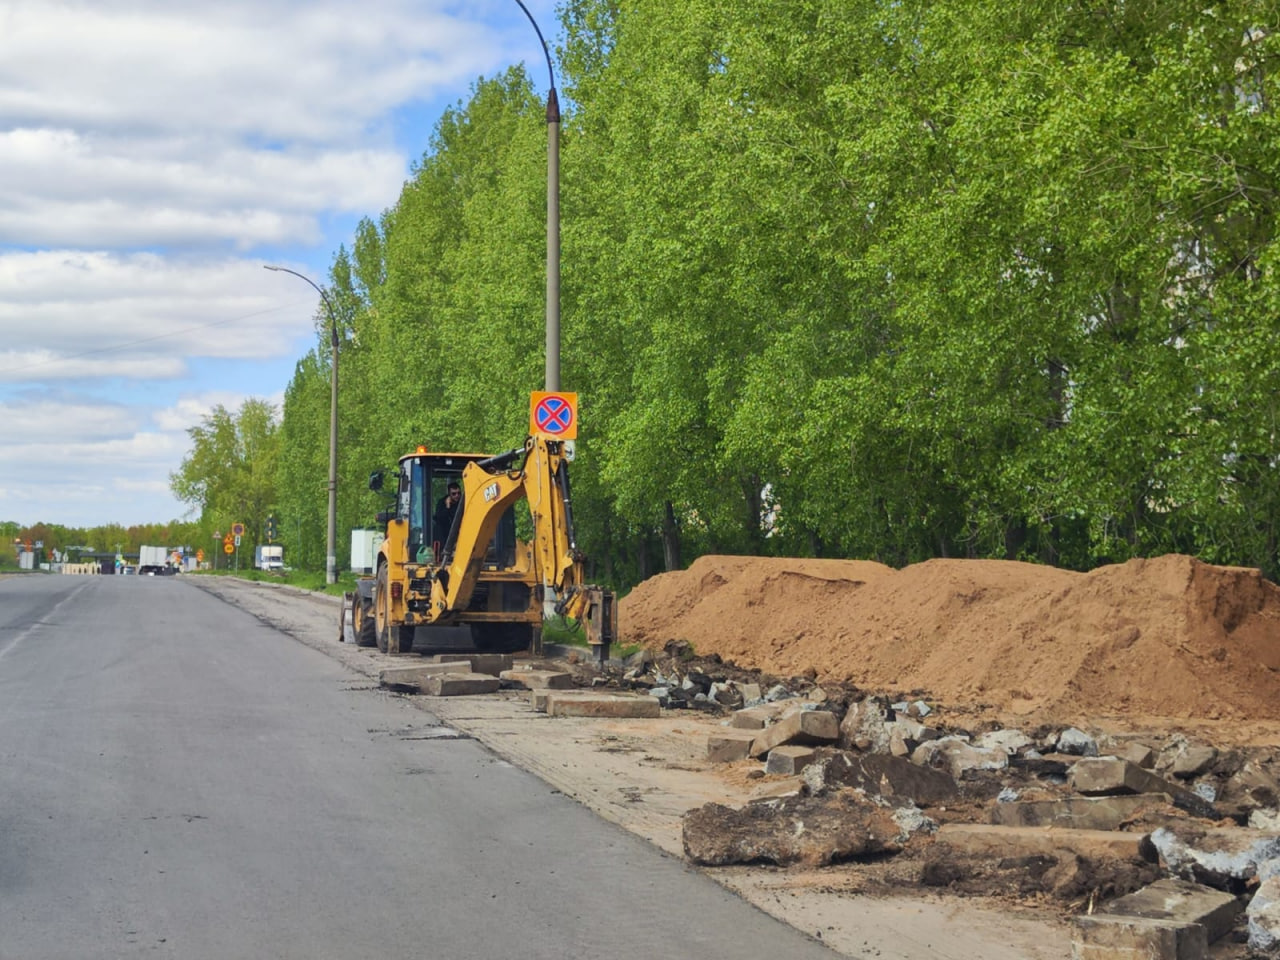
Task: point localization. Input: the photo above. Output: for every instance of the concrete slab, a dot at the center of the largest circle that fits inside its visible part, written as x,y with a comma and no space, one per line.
538,698
490,663
802,727
987,840
1081,813
1103,937
539,679
573,704
459,685
416,674
1182,902
788,760
727,746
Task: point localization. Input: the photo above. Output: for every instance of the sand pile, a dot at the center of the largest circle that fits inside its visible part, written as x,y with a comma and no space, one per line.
1167,637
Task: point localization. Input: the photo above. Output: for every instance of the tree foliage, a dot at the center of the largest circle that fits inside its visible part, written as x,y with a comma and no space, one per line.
895,280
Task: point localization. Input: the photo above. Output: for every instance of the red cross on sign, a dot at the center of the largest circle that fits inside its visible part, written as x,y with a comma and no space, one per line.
554,415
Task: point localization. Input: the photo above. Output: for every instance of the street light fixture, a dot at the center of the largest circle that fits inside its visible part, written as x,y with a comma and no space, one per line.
553,216
330,558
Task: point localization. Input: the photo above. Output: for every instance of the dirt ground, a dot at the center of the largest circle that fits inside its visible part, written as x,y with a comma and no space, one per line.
1166,641
645,775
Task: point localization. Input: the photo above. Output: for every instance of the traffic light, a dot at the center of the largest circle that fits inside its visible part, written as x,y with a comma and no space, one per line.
271,529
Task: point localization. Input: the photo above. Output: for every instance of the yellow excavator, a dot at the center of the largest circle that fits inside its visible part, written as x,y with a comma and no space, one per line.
463,578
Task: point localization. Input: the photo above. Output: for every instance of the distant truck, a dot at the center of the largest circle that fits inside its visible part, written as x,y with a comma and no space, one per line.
154,561
269,557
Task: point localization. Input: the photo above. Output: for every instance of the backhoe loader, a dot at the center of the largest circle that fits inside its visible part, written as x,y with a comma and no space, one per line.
477,585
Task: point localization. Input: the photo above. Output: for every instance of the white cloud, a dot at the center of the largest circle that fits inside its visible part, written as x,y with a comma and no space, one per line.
314,71
66,314
58,187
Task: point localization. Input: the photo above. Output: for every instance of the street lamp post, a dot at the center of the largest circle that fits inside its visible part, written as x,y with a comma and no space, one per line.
330,558
553,216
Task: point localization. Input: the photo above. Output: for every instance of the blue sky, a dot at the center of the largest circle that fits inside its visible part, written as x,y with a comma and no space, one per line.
153,156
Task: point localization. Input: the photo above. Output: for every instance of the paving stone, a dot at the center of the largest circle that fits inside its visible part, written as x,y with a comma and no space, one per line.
727,746
986,840
1082,813
459,684
1101,776
750,692
572,704
1182,902
1140,754
788,760
539,679
802,727
1103,937
490,663
759,716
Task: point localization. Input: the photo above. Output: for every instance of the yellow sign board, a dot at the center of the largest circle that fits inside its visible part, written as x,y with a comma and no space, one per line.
554,415
228,548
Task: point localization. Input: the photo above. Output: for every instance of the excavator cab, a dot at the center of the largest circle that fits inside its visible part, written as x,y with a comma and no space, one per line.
424,482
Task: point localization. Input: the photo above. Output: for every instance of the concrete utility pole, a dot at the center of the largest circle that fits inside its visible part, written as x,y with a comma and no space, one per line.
330,558
553,216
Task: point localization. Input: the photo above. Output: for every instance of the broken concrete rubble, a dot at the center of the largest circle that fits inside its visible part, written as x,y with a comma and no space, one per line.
1077,743
864,726
880,775
958,757
1010,741
1222,857
837,826
1264,917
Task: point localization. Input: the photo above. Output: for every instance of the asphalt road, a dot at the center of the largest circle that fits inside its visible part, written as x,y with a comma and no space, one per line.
178,779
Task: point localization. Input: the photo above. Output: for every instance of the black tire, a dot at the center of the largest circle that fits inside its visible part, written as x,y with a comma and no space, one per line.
363,624
387,635
501,637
